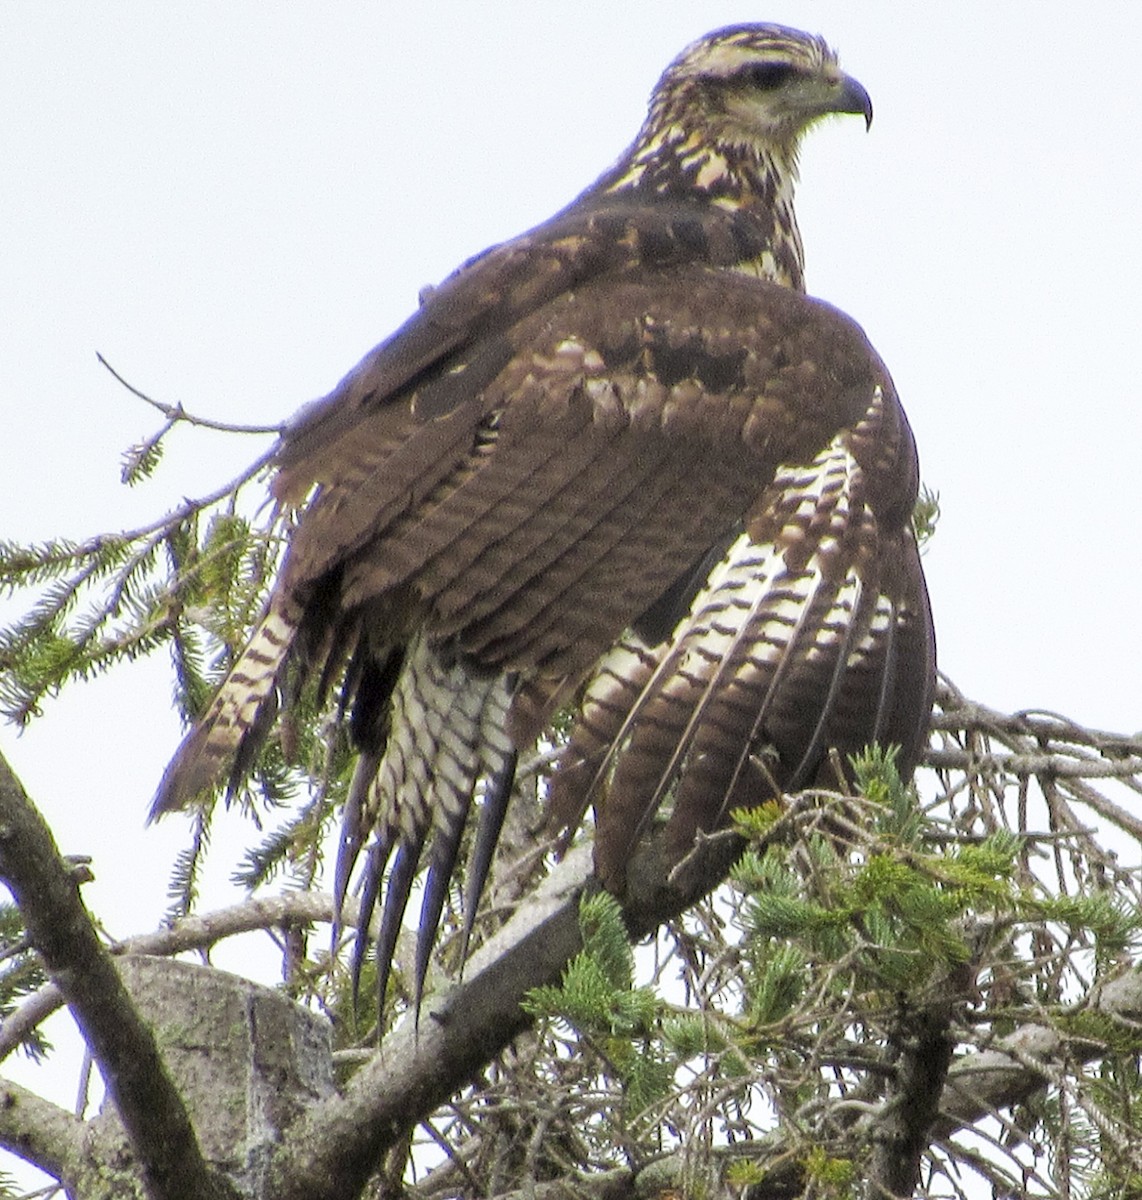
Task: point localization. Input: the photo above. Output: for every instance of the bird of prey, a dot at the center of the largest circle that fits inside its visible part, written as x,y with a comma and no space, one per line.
620,465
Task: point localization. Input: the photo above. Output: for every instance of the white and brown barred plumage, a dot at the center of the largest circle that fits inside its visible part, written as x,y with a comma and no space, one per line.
620,463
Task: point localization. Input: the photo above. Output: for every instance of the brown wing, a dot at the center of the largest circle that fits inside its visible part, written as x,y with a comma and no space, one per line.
632,423
400,424
404,421
811,633
639,422
455,341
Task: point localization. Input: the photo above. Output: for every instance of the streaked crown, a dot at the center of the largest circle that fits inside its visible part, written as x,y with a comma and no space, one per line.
758,85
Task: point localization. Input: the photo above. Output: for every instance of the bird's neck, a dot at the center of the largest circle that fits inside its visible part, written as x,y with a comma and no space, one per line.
751,182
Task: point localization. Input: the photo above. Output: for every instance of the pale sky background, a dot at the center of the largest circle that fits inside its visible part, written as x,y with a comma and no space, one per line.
234,202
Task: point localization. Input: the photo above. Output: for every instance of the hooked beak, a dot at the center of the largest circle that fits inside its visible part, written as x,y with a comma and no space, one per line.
851,97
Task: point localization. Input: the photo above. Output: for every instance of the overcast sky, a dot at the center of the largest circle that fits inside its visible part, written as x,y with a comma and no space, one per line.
233,206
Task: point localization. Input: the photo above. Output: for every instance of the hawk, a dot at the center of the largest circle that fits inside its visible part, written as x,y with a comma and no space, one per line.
620,465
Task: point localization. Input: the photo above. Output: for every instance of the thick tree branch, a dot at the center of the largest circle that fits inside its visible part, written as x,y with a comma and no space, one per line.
902,1131
332,1151
40,1132
619,1184
197,932
61,931
671,1175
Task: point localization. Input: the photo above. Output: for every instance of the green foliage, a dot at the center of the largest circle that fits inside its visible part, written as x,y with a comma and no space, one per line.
894,915
1122,1185
690,1035
873,911
595,995
890,918
356,1009
191,584
194,582
141,459
320,752
1109,920
824,1177
1122,1040
779,984
855,914
745,1173
832,1177
21,973
596,999
605,940
757,823
925,515
293,848
182,890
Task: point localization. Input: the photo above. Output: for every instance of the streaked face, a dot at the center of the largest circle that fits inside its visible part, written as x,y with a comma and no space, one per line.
761,85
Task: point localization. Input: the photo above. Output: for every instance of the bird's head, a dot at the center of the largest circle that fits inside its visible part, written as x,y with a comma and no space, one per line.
723,128
753,87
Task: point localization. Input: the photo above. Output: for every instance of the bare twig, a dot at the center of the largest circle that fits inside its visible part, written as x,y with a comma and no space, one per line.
1063,757
176,412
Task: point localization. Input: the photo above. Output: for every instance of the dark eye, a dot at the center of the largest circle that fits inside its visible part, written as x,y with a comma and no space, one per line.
766,77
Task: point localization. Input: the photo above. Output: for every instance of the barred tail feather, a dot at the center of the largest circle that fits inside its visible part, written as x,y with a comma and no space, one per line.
685,729
493,811
354,832
222,744
609,704
446,733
